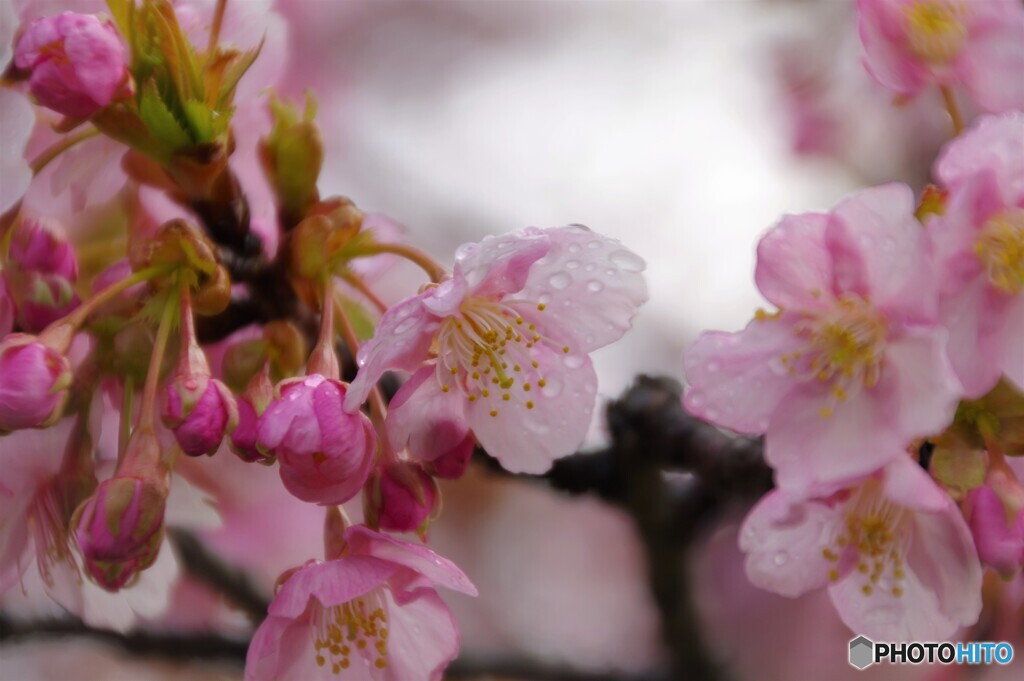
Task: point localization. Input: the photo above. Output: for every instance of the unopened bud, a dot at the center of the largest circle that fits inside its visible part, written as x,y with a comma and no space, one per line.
254,401
41,272
407,497
178,244
292,155
34,385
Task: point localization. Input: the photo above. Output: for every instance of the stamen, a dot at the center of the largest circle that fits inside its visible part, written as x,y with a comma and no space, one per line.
936,30
1000,247
361,622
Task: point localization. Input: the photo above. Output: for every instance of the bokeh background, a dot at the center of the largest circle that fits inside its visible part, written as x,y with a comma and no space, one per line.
685,129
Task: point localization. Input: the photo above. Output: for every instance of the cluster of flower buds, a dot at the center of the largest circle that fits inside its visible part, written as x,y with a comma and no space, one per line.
889,380
498,347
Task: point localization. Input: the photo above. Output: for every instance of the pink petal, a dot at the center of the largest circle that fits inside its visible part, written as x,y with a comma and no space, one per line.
992,64
16,120
439,570
736,379
282,647
99,59
499,265
783,539
423,638
527,440
978,338
987,146
401,341
424,419
1013,363
591,286
331,583
918,384
880,253
794,267
915,615
882,33
999,539
906,484
808,449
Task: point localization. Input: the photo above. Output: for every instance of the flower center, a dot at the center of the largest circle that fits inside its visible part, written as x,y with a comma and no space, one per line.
1001,250
873,539
936,29
486,351
844,347
357,627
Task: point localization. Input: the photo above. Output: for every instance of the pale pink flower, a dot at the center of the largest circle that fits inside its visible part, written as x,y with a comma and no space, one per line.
370,613
852,367
978,245
77,62
16,120
979,44
503,346
324,453
998,530
893,550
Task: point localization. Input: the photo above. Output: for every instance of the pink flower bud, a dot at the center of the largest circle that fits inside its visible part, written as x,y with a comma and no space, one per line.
78,63
200,425
325,453
251,405
41,271
452,464
39,246
34,379
407,497
120,529
997,528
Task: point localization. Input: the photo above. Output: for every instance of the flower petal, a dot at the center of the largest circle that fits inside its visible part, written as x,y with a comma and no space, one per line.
401,341
331,583
535,427
499,264
794,267
591,287
783,539
423,637
736,379
439,570
424,419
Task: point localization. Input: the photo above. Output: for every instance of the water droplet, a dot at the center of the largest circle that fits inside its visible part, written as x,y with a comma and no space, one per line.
593,245
711,367
594,286
552,387
573,361
611,271
574,248
579,229
625,260
543,299
589,267
589,339
572,264
560,281
694,400
780,558
889,243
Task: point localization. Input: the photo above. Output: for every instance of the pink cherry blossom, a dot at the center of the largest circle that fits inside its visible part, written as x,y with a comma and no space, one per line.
78,62
324,453
370,613
852,367
979,44
998,530
979,247
893,550
503,346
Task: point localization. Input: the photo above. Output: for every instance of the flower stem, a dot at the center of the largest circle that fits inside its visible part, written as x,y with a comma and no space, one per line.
949,97
434,269
59,147
359,284
147,412
125,429
378,410
218,21
88,307
324,360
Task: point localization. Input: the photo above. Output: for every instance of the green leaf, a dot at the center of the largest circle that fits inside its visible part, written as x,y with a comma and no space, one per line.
160,121
200,121
233,73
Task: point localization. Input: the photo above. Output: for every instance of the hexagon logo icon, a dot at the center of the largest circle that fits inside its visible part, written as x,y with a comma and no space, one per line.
862,652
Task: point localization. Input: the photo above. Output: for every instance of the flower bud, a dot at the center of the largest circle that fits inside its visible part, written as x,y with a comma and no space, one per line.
994,513
41,271
251,405
325,453
120,529
292,155
407,497
34,385
452,464
77,63
179,244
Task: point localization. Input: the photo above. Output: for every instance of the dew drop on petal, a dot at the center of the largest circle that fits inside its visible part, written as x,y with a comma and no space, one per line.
560,281
780,558
573,361
572,264
711,367
589,267
594,286
574,248
625,260
552,387
594,245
